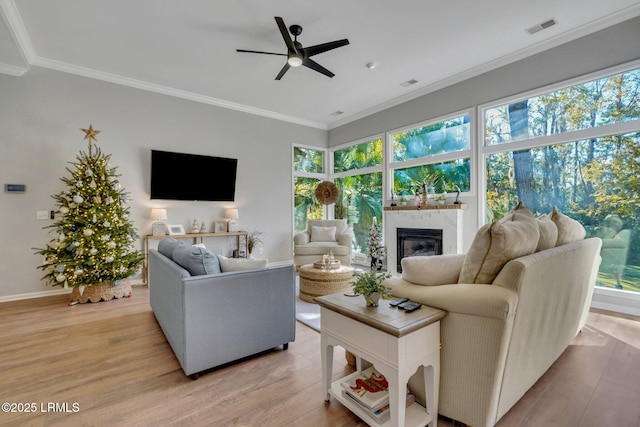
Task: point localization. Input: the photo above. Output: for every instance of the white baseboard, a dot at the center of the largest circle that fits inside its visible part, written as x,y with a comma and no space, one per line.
35,295
620,301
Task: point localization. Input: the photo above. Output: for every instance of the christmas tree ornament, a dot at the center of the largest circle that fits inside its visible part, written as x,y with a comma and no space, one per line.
112,244
88,172
61,237
60,278
88,232
95,218
93,251
64,210
81,289
93,184
60,268
78,271
105,237
106,224
78,199
109,259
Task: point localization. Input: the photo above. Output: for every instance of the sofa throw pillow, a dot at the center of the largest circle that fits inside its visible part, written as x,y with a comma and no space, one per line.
323,234
197,261
548,233
497,243
569,230
240,264
167,245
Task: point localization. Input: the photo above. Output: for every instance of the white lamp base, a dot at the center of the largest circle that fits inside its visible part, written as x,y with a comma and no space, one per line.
158,229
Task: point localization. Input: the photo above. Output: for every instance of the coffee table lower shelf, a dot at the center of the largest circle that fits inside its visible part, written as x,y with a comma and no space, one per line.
416,415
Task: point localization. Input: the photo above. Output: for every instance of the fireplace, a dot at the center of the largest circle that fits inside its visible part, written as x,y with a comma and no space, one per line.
417,242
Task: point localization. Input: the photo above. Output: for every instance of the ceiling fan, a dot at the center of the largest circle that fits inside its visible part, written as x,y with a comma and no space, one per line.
298,55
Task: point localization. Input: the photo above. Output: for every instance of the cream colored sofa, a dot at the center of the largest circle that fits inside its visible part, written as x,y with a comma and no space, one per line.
320,237
500,336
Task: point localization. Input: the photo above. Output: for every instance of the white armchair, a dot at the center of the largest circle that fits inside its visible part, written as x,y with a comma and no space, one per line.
320,237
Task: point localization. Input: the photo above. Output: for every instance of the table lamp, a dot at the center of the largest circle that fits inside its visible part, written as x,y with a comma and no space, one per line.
158,228
232,223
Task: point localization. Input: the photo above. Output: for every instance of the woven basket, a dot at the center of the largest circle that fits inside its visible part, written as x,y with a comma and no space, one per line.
315,282
101,292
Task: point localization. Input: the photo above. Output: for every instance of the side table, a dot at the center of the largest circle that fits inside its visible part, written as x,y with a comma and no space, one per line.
395,342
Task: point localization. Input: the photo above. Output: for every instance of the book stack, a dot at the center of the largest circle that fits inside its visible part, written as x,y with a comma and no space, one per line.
370,392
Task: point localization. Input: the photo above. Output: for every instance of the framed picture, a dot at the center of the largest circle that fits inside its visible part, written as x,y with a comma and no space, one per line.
221,227
175,229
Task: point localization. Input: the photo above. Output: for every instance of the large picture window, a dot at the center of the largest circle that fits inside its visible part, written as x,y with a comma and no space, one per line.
577,148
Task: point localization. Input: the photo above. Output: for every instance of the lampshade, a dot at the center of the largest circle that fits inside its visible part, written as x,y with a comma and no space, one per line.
232,214
158,214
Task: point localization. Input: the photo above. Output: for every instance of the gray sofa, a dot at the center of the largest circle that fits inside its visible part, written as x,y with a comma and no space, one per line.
213,319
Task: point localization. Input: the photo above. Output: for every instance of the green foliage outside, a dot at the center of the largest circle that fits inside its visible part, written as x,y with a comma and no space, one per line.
586,179
93,241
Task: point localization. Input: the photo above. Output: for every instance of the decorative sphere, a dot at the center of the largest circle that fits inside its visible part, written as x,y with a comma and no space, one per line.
109,259
88,232
59,268
88,172
64,210
78,199
78,271
73,228
112,245
93,251
60,278
116,283
107,224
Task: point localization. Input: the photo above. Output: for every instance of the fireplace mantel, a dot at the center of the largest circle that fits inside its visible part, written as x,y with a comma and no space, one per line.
448,218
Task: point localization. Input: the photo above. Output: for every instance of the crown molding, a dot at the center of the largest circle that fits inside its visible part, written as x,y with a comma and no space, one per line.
584,30
12,70
166,90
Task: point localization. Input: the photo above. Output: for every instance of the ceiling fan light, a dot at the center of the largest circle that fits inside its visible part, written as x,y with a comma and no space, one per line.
294,60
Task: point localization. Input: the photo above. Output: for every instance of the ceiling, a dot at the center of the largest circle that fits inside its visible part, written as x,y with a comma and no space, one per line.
187,48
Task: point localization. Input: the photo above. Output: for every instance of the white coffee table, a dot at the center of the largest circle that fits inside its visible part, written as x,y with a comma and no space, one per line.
395,342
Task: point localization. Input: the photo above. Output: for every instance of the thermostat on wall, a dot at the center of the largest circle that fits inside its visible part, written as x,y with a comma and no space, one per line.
15,188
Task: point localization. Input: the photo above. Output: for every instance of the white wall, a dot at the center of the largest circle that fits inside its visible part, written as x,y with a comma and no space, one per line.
41,114
612,46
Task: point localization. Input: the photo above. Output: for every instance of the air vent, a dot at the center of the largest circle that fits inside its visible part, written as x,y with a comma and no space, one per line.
409,83
542,26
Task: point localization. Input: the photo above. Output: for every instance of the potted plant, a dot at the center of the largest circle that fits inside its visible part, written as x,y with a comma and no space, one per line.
441,198
369,284
253,239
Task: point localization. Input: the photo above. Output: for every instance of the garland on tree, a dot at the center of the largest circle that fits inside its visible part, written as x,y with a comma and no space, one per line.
94,237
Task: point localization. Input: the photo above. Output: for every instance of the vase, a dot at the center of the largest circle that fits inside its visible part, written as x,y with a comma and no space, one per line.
372,299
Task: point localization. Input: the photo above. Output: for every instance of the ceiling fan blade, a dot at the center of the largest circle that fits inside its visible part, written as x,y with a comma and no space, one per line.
285,34
319,48
257,51
307,62
284,70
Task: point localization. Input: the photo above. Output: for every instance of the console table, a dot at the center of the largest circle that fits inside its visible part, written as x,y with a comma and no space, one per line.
395,342
194,236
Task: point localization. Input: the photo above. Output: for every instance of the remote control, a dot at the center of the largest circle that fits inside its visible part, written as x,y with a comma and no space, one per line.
397,302
410,306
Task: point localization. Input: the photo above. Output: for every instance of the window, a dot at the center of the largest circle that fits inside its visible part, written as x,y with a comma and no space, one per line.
577,148
436,153
308,172
358,173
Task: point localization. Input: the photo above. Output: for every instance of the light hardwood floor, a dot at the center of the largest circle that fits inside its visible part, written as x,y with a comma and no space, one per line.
112,361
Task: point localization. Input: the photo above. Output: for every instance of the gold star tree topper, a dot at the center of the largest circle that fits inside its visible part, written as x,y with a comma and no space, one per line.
90,134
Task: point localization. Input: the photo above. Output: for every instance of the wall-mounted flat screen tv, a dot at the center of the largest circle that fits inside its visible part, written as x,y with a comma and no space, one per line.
181,176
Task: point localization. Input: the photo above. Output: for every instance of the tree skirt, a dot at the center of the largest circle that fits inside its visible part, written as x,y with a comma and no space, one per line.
101,292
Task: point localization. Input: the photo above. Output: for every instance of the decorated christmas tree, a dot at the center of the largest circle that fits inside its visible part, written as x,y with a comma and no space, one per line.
375,248
93,241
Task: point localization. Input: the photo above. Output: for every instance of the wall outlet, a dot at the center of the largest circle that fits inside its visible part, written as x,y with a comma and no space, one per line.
42,214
